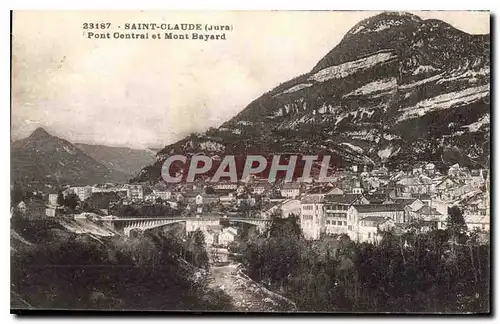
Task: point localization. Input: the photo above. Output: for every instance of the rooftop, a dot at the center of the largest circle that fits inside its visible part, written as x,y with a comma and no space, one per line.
347,199
379,208
312,199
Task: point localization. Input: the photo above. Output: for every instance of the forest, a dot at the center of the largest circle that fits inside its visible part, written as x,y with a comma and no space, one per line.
413,272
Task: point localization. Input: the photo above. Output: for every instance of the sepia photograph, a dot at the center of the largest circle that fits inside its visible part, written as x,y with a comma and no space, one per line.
297,162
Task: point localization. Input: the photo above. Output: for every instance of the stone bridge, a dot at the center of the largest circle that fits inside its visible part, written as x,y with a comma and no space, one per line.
126,224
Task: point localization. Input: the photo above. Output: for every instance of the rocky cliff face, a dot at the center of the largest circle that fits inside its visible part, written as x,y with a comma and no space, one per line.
395,88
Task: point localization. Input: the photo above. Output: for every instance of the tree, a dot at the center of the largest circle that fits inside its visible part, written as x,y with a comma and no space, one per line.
199,256
60,198
71,200
456,223
455,217
16,195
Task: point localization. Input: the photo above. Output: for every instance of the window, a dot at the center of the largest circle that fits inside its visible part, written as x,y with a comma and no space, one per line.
369,235
327,222
345,223
482,226
349,227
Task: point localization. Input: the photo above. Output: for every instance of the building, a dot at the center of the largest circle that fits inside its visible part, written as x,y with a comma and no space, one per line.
227,199
369,229
227,236
205,199
357,188
291,190
428,217
290,207
163,194
82,192
135,192
50,211
53,199
225,186
312,216
335,210
356,213
413,204
477,222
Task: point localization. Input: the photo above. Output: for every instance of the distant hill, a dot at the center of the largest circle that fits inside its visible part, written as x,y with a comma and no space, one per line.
43,158
395,89
122,159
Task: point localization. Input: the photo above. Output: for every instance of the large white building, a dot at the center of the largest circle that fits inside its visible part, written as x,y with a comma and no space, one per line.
53,199
291,190
336,207
135,192
311,216
82,192
373,212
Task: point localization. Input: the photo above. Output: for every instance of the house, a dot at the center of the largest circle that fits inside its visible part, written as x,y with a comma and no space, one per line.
172,203
227,199
241,189
50,211
357,189
291,190
415,185
445,188
225,186
163,194
212,233
369,229
377,198
477,222
260,187
413,204
454,170
135,193
335,210
270,209
227,236
290,207
205,199
82,192
430,169
428,217
32,209
311,216
53,199
188,196
245,199
356,213
22,207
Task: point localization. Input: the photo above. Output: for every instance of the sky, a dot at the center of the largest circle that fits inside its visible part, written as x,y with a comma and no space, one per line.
151,93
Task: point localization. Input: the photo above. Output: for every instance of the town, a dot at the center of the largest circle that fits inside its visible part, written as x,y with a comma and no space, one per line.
358,202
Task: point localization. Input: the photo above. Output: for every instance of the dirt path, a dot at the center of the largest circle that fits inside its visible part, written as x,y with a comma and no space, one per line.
247,295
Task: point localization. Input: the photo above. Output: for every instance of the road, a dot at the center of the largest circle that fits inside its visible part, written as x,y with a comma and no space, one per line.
246,294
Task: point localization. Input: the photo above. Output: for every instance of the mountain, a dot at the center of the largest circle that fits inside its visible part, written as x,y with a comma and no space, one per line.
122,159
396,90
43,158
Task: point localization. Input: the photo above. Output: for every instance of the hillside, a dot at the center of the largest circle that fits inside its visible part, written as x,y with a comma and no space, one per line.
121,159
394,88
59,263
43,158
